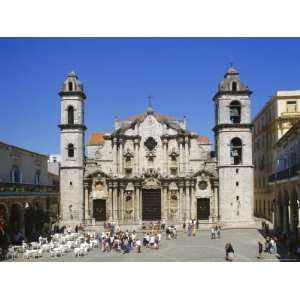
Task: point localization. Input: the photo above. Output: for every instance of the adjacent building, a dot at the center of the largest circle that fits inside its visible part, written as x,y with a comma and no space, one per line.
284,183
27,200
278,115
152,167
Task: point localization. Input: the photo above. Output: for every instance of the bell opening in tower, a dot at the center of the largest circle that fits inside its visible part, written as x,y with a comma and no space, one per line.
235,112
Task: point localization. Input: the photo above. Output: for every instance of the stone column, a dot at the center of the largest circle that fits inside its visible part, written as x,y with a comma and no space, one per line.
86,202
110,202
164,206
193,202
165,156
180,157
137,203
121,202
188,201
121,158
186,146
140,205
298,213
278,216
285,218
216,202
115,155
181,208
115,201
137,156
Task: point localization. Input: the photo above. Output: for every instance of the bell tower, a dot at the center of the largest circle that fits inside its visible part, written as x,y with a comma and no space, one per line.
233,139
72,130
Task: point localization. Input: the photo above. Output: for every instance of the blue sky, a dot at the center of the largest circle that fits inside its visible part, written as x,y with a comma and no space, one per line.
181,74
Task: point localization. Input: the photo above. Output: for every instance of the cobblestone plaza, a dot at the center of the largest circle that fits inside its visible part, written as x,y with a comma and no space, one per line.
200,248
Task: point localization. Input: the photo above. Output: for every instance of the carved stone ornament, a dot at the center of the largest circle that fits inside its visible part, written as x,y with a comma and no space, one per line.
151,183
128,154
173,186
129,187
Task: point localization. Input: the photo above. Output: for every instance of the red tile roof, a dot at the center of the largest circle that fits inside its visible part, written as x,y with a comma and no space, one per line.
96,138
202,139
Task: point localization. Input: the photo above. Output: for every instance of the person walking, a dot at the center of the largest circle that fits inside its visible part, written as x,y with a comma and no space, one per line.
218,231
138,245
273,249
229,252
260,250
189,229
194,229
212,233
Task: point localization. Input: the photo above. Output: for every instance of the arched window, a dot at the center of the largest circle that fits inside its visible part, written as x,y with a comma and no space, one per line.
234,86
15,175
235,112
236,151
70,86
70,115
70,150
37,177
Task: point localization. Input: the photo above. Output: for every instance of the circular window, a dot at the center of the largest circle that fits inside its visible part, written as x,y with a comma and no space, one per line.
202,185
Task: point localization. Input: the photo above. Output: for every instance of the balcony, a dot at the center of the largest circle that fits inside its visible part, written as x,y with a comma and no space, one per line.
285,174
7,187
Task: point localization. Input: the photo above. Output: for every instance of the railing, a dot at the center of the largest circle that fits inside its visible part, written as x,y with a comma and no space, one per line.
285,174
8,187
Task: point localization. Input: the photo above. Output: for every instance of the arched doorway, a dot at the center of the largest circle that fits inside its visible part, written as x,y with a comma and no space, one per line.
29,222
4,239
15,220
286,217
294,213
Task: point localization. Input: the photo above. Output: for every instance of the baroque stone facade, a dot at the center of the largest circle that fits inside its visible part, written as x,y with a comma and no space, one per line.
151,167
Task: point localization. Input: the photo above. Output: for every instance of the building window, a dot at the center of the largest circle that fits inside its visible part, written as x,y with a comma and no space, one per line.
236,183
235,112
234,86
15,175
291,106
37,177
236,171
70,115
70,86
236,151
70,150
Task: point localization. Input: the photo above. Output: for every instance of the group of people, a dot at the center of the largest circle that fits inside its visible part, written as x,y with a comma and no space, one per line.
171,232
119,241
152,240
125,241
215,231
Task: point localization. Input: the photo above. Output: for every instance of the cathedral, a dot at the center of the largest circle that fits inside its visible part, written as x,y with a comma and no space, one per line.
152,168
